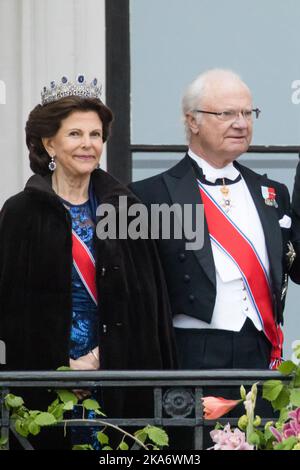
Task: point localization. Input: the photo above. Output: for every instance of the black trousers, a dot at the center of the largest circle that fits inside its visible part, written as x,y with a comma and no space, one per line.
221,349
200,349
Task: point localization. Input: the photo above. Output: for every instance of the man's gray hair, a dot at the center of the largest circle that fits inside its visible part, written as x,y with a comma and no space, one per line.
195,92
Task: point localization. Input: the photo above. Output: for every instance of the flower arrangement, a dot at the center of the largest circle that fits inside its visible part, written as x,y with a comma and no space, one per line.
283,434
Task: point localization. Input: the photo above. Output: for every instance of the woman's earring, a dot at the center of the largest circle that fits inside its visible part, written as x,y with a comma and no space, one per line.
52,164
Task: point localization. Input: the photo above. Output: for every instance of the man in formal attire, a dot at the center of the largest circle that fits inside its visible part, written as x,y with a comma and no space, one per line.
227,298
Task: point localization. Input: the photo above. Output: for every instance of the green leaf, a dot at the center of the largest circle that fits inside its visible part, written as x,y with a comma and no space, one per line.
157,435
219,425
82,447
3,441
45,419
123,446
21,428
33,413
90,404
270,443
295,397
282,400
271,389
141,434
34,428
58,412
106,448
287,444
68,406
296,349
13,401
254,438
102,438
64,368
283,416
287,367
53,405
98,412
297,379
66,396
261,436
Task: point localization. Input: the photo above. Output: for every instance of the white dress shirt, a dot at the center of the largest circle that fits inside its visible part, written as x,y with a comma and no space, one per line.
233,305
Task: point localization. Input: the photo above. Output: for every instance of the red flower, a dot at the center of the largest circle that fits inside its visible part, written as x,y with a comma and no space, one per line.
214,407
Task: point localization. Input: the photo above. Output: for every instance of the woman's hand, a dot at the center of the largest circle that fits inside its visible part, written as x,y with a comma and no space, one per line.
89,361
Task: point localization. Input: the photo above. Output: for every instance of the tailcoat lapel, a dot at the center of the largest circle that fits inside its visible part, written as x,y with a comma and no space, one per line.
183,189
269,220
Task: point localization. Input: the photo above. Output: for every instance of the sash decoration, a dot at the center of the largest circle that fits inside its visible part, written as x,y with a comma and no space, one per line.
235,244
85,265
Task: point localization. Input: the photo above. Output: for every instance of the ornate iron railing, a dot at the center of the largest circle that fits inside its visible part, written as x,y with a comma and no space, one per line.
176,394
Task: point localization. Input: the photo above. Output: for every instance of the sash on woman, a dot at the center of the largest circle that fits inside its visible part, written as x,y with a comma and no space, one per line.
235,244
84,263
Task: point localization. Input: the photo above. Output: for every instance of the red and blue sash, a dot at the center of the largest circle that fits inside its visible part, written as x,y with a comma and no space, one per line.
85,265
234,243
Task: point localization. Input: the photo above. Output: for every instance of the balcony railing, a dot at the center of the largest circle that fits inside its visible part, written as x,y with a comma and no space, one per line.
176,394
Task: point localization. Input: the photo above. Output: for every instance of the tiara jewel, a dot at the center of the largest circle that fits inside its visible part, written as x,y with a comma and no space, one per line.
65,88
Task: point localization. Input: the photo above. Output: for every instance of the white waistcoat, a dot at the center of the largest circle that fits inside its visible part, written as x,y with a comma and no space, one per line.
233,304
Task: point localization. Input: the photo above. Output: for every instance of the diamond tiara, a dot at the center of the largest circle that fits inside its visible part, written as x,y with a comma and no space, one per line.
66,87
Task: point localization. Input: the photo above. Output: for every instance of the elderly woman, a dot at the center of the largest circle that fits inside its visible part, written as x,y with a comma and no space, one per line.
68,297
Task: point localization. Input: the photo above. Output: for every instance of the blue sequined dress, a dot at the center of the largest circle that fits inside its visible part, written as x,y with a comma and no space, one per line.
84,330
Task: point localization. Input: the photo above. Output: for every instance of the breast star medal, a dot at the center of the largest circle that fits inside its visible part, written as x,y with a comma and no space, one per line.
291,255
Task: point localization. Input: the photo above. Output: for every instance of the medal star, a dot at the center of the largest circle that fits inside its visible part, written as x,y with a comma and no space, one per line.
226,203
291,255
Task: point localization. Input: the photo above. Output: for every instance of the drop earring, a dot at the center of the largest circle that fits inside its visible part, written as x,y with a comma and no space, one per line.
52,164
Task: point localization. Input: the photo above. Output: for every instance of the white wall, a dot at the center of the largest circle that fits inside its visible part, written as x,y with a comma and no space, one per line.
40,41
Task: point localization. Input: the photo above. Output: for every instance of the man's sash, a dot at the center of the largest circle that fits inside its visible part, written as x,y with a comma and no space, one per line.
85,265
234,243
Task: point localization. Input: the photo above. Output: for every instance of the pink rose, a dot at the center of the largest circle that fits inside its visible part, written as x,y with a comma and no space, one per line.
226,439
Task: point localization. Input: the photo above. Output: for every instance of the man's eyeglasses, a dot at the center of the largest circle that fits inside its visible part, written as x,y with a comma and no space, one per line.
232,115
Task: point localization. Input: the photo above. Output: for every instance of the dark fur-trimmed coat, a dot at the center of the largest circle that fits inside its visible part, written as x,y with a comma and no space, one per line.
135,329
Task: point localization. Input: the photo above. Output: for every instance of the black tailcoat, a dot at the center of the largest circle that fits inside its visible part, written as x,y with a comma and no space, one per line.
190,274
